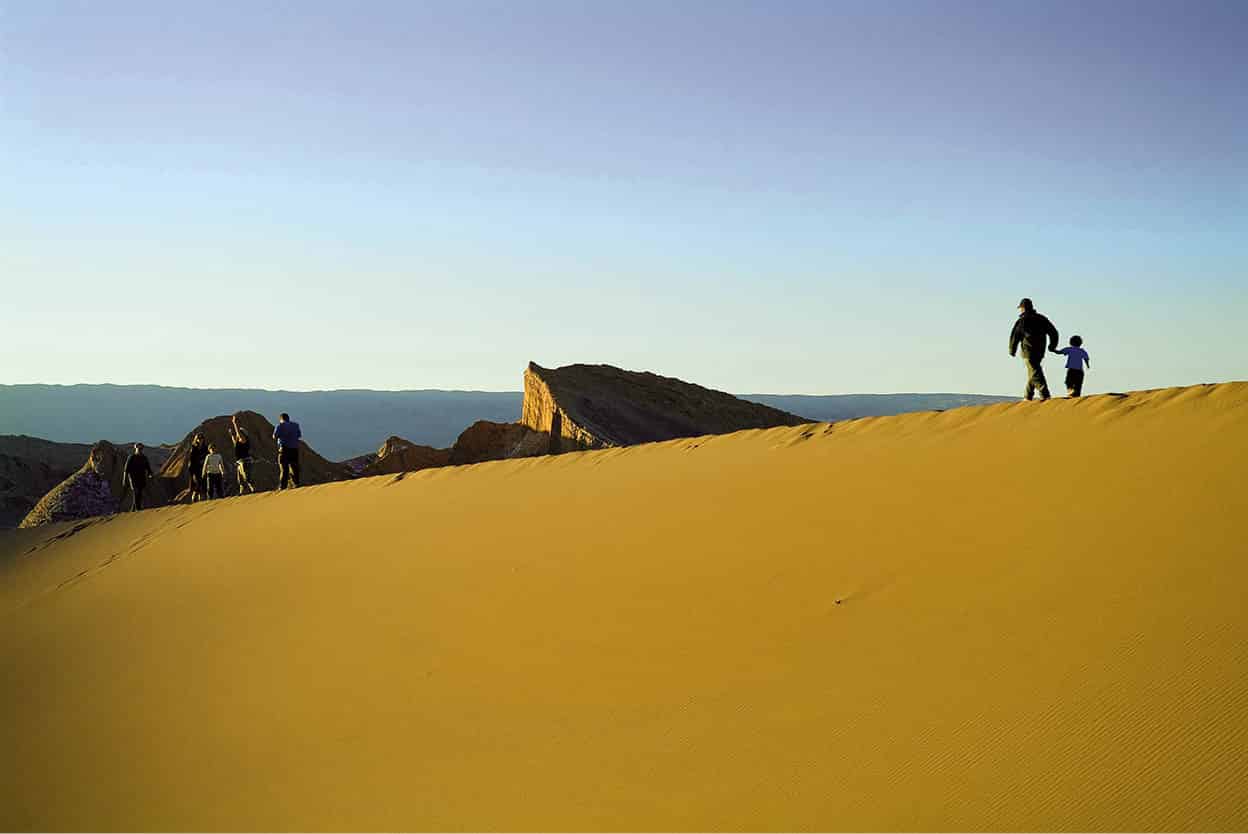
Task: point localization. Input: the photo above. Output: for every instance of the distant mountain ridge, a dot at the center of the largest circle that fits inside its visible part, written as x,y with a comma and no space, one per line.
347,423
832,407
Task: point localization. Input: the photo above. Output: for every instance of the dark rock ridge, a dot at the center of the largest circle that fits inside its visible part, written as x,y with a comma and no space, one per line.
593,406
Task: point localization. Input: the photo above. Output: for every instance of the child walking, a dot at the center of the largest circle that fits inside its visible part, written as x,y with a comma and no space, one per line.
214,472
1076,358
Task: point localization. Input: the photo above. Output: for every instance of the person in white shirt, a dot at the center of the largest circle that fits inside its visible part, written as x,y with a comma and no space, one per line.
214,472
1076,358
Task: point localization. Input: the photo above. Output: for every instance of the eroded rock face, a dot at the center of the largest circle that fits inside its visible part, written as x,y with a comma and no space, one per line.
593,406
96,487
485,440
30,467
398,455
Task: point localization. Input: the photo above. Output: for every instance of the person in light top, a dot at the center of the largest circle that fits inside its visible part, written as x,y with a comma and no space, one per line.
214,472
1076,358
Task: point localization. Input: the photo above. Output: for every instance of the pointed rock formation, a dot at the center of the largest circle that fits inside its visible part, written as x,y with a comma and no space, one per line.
484,440
592,406
398,455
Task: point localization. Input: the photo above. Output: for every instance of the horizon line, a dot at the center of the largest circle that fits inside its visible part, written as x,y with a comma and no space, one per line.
460,390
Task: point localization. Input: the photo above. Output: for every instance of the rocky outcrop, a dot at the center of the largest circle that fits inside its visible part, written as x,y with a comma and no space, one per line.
593,406
398,455
355,466
96,487
485,440
30,467
313,469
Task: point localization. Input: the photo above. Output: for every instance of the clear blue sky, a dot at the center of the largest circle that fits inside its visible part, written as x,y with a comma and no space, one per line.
807,197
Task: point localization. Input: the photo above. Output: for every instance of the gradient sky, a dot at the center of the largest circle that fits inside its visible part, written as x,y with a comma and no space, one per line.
804,197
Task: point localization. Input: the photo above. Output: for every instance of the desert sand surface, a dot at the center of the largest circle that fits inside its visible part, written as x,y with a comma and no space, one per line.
1021,616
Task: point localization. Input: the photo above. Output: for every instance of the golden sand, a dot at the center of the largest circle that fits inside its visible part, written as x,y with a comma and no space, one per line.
1017,616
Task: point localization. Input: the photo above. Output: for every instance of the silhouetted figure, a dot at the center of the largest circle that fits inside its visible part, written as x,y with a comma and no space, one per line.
214,473
199,451
136,473
287,435
1031,332
1076,358
242,456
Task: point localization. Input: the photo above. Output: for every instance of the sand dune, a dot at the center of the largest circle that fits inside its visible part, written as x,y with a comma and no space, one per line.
1016,616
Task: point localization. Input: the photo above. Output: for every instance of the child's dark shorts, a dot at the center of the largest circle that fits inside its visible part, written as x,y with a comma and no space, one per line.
1074,381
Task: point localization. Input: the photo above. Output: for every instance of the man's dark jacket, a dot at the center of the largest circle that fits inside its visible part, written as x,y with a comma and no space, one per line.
138,470
199,452
1031,330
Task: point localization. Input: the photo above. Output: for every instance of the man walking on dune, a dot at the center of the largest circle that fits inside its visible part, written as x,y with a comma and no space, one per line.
135,475
1031,332
287,435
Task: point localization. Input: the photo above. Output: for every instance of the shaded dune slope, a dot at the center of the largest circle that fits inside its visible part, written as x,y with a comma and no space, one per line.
1023,616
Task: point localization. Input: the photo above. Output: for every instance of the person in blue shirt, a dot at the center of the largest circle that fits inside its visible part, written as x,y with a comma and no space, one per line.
287,435
1076,358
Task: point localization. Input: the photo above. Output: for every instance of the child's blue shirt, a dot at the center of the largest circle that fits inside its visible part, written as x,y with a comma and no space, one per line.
1075,357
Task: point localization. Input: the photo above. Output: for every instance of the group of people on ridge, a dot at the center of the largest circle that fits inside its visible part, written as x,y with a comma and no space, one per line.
206,465
1032,332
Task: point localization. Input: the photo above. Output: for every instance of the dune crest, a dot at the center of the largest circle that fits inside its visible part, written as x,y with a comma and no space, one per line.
1020,616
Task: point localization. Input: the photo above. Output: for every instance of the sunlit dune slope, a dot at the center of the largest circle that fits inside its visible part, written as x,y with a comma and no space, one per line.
1017,616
